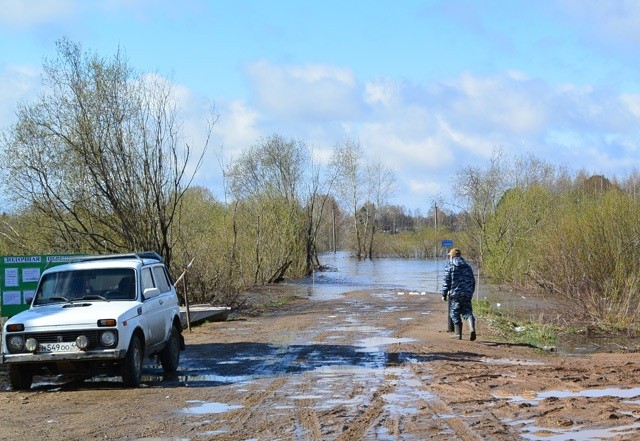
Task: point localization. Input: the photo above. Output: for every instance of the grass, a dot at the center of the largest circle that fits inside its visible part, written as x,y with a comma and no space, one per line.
515,331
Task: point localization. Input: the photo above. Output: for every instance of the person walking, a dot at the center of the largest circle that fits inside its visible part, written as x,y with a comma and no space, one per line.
458,285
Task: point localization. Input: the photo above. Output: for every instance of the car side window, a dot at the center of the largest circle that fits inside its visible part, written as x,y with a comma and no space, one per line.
146,278
162,281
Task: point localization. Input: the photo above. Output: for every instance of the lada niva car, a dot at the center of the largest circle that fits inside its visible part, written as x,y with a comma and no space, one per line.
99,314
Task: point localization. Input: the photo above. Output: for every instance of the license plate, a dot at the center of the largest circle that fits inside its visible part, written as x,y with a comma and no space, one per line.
58,347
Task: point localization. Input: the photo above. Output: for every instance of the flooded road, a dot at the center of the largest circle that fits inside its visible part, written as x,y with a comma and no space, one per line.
371,362
345,274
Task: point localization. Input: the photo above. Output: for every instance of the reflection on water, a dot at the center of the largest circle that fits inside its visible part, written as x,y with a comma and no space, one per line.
205,408
346,274
580,344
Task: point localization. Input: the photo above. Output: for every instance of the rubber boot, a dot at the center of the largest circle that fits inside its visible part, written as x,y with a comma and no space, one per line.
472,327
457,332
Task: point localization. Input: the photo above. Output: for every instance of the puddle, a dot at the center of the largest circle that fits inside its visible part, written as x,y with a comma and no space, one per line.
394,308
269,360
577,345
532,432
509,361
586,393
373,344
576,433
306,397
212,432
407,395
160,439
344,370
207,408
356,328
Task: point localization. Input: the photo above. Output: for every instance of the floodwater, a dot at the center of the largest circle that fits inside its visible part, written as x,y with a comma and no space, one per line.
346,274
423,277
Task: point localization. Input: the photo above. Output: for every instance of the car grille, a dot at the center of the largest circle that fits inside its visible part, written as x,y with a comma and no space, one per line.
65,336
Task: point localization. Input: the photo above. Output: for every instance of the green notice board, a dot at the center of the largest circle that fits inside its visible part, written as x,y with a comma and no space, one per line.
19,277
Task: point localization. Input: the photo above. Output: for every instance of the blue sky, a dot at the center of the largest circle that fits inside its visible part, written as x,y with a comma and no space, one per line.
427,87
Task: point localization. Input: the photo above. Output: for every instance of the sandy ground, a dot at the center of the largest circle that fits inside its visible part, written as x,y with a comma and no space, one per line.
368,366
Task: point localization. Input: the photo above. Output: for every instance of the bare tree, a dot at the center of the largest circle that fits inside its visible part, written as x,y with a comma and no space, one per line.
100,154
481,189
266,182
381,186
364,187
347,163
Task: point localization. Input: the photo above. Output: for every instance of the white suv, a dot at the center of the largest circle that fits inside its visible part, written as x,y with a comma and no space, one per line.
98,314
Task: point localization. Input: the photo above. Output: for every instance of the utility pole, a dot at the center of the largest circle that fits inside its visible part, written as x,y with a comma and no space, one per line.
333,215
435,248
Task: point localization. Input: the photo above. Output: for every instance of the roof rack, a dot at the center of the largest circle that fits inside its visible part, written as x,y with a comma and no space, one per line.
138,255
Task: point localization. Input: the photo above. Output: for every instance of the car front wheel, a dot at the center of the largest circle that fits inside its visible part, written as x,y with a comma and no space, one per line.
170,355
20,376
132,364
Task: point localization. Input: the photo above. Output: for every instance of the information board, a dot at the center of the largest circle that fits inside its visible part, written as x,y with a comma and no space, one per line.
19,277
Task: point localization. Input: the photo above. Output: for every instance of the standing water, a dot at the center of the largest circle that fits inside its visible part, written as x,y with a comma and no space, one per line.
345,273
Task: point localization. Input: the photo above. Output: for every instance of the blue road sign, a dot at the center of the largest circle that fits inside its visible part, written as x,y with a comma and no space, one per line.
447,243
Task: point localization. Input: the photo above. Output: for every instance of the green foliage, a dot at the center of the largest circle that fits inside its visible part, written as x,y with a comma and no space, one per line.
576,238
206,238
422,243
520,218
592,256
239,245
514,330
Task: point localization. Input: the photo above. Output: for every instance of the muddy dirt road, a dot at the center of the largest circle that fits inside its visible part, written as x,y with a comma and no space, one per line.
375,365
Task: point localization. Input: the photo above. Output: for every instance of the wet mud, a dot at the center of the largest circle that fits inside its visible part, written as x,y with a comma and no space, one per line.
367,365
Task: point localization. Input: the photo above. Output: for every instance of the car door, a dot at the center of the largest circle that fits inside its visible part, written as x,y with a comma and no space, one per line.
154,309
168,299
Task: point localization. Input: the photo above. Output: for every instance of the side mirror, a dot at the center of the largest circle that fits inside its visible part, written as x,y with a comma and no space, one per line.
150,293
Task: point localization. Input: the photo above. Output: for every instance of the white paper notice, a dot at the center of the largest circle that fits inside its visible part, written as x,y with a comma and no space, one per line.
30,274
11,277
11,298
28,296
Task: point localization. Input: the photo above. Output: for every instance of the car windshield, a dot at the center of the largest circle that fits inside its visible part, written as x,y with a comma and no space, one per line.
96,284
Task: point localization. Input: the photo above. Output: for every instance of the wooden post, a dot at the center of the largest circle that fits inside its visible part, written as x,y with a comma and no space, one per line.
186,296
186,301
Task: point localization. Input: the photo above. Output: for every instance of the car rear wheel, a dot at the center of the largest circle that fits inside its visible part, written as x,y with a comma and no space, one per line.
132,364
170,355
20,376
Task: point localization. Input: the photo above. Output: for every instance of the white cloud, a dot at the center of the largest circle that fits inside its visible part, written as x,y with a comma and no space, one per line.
383,91
33,13
498,103
480,146
237,128
632,102
424,187
309,91
426,133
16,83
388,143
613,21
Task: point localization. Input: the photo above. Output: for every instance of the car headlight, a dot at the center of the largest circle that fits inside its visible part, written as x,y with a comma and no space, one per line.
108,338
31,344
16,343
82,342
